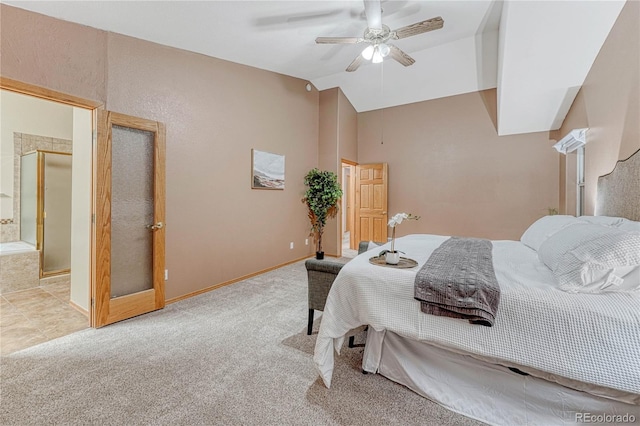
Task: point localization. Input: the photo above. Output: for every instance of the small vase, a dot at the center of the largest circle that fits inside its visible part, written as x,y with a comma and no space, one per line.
319,255
392,257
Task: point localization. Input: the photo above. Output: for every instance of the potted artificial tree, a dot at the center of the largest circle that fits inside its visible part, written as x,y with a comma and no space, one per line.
321,198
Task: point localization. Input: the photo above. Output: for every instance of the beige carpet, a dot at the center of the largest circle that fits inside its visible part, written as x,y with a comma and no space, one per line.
236,355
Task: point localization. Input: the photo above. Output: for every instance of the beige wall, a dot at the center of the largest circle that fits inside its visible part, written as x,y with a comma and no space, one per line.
328,132
337,140
51,53
215,112
347,129
448,165
608,104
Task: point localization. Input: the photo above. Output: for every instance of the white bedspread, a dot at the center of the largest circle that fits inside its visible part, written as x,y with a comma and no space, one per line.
589,338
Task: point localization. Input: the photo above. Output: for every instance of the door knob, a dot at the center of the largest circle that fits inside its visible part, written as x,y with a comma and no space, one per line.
157,226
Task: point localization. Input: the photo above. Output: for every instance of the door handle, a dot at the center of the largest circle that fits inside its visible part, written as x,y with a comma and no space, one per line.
155,227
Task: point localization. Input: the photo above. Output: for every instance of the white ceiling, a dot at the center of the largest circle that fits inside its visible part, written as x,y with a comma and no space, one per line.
537,53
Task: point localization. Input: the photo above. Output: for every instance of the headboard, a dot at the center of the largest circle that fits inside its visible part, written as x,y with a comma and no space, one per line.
619,191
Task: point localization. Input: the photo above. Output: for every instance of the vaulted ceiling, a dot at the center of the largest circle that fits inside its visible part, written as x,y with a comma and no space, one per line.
536,53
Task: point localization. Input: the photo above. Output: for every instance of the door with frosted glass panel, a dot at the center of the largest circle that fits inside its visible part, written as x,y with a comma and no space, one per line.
129,221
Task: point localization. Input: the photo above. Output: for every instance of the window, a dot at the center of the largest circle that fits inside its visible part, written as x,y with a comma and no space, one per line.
580,181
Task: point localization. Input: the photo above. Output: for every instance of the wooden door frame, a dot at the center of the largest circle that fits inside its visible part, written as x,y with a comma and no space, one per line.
351,201
75,101
51,95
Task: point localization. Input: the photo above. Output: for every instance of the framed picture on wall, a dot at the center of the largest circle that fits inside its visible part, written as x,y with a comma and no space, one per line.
267,170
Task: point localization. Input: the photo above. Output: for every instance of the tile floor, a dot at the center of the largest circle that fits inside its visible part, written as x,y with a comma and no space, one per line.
36,315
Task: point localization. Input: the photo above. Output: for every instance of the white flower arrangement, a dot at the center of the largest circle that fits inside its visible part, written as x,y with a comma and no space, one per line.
397,220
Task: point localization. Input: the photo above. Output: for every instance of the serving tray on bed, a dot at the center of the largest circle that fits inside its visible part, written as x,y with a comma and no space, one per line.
404,263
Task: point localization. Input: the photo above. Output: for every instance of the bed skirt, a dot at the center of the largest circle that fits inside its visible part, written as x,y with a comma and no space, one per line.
484,391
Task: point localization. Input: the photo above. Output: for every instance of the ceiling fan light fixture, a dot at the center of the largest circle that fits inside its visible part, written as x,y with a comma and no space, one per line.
377,56
384,49
367,53
376,35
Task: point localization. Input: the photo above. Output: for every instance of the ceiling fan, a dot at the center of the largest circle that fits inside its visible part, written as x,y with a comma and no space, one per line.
379,35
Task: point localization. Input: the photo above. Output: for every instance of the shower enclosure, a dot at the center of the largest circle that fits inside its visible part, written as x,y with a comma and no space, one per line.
45,208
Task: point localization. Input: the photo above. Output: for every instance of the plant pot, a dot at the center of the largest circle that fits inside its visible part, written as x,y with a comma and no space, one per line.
319,255
392,257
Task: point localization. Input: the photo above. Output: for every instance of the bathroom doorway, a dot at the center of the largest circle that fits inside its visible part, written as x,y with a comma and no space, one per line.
45,245
347,218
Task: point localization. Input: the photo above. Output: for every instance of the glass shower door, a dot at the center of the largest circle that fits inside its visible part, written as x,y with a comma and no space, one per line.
56,213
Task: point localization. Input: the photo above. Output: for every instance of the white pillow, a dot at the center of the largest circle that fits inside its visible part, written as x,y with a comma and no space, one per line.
598,261
545,227
603,220
616,222
629,225
553,249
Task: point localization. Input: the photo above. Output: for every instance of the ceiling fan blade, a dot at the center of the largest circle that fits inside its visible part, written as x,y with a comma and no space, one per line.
334,49
293,19
338,40
373,11
419,28
400,56
355,64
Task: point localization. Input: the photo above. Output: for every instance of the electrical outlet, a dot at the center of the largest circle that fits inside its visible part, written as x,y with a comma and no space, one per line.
306,241
166,274
291,245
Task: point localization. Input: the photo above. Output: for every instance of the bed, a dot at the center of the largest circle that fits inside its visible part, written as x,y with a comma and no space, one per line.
556,354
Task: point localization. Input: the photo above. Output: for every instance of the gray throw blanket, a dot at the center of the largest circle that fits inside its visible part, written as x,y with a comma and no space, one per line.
458,281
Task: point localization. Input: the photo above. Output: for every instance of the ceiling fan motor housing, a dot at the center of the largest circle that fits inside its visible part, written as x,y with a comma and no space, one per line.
378,35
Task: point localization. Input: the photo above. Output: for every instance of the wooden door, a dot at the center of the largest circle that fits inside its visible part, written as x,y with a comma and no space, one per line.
371,202
129,218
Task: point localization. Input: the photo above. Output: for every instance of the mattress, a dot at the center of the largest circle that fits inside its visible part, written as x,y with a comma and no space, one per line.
578,340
